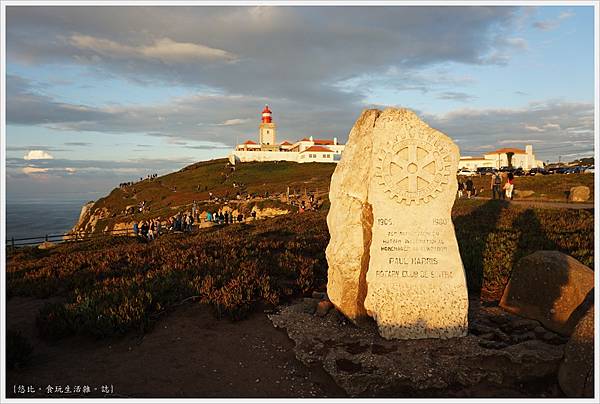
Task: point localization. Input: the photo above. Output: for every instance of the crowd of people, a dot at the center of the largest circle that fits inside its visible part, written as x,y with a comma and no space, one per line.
131,183
502,188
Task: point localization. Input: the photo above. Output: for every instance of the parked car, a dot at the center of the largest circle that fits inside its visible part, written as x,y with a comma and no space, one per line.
538,170
486,170
589,170
466,172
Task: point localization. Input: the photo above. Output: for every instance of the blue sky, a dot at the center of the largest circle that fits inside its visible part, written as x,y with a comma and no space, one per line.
107,95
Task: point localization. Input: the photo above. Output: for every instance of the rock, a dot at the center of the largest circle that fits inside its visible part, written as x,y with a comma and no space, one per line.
46,245
579,194
524,324
393,253
348,218
323,308
576,372
550,287
416,368
319,295
309,305
523,193
518,338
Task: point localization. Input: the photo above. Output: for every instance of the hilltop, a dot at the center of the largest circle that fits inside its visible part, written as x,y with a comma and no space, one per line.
210,184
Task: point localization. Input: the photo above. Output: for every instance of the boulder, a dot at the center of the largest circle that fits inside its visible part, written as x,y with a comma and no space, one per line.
526,193
550,287
576,372
579,194
323,308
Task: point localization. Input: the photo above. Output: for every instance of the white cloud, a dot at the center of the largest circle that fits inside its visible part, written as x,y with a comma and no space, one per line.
232,122
34,170
37,155
165,50
533,128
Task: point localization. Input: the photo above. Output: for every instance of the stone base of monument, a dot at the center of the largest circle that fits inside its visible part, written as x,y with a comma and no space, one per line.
503,355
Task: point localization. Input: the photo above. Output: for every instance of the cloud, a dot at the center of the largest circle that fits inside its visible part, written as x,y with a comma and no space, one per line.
231,122
82,144
38,155
550,24
533,128
272,53
164,50
505,127
34,170
455,96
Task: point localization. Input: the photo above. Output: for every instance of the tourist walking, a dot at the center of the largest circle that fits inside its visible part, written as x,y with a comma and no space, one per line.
135,228
495,185
509,186
461,188
469,186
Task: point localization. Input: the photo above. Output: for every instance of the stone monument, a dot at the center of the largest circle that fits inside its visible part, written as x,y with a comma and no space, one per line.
393,253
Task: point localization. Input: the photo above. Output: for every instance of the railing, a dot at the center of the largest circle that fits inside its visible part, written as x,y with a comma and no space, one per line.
67,237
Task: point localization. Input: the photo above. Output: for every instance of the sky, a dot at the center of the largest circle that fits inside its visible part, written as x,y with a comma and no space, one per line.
101,95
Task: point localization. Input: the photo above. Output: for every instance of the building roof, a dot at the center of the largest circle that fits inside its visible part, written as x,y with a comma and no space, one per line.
472,158
249,142
508,150
318,141
317,148
286,143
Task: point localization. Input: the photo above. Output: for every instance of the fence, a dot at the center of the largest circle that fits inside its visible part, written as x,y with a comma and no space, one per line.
67,237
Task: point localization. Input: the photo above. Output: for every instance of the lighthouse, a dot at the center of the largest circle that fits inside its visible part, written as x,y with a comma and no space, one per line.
267,130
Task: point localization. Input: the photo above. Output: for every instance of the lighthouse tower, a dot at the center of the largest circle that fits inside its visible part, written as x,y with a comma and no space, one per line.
267,130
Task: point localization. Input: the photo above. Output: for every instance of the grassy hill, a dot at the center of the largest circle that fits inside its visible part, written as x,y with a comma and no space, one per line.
165,194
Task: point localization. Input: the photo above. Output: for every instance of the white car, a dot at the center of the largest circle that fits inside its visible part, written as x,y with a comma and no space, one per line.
589,170
466,172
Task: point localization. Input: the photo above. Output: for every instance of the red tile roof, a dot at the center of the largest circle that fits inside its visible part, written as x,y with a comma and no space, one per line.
509,150
323,141
318,148
286,143
318,141
249,142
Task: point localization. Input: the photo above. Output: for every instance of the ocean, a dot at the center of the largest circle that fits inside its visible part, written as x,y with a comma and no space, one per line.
38,217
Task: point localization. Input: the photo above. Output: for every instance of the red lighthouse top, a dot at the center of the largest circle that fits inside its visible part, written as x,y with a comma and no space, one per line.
266,115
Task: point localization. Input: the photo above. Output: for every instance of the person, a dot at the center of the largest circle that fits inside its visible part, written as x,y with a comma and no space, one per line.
240,218
226,216
495,185
461,188
253,215
158,228
135,228
145,229
209,217
509,186
469,188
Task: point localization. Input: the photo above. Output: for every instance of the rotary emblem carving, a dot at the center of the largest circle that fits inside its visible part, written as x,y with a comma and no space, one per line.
414,170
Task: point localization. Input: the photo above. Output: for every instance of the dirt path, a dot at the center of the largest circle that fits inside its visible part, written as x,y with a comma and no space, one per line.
546,204
188,354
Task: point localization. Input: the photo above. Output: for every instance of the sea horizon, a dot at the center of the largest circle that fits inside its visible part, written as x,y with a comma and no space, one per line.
52,214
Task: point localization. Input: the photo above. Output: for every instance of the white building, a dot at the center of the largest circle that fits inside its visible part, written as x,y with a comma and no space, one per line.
307,150
524,159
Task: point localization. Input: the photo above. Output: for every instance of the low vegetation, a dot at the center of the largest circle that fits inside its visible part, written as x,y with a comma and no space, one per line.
554,187
113,285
